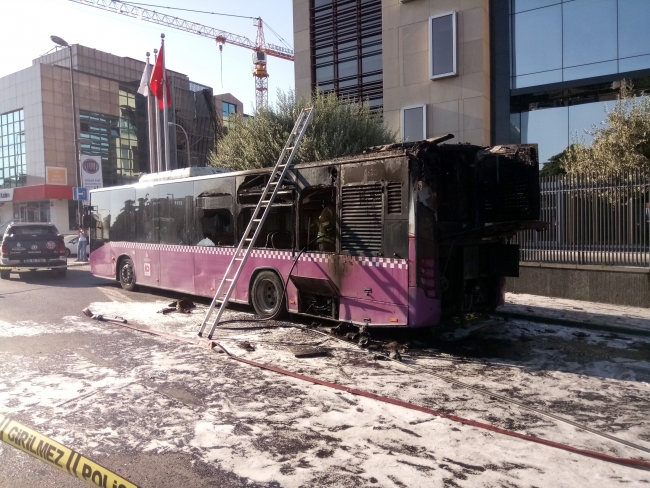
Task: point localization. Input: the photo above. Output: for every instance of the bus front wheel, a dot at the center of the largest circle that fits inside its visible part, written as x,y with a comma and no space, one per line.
127,274
267,296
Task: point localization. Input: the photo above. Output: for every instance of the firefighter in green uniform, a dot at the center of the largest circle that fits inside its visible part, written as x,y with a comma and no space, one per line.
327,229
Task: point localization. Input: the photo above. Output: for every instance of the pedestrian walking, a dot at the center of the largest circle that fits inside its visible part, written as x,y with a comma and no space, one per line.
81,245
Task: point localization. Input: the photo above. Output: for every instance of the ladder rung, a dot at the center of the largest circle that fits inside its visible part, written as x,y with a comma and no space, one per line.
239,259
266,201
257,220
229,279
290,148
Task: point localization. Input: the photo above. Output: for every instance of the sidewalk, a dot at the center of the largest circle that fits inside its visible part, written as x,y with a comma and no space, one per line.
590,315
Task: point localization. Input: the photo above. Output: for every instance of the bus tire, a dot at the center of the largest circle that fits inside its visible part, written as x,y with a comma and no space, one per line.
266,294
126,274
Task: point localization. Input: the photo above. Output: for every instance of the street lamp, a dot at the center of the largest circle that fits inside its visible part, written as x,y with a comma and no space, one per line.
63,43
187,143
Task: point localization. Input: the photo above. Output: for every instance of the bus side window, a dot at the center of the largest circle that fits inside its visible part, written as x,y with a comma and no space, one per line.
217,227
318,222
277,231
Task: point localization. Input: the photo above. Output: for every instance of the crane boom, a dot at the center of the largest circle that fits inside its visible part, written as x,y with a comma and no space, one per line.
219,35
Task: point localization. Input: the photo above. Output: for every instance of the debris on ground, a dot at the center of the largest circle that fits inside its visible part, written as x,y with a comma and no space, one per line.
581,334
247,346
395,350
343,328
307,351
103,318
183,305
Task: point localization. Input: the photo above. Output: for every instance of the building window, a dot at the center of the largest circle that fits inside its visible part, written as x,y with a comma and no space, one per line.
38,211
13,171
555,41
226,110
414,123
442,45
346,49
115,140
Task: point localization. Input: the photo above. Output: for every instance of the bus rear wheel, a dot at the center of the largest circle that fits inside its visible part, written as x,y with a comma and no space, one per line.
126,274
267,296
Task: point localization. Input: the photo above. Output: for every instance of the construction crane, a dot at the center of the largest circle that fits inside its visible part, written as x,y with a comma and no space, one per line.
260,47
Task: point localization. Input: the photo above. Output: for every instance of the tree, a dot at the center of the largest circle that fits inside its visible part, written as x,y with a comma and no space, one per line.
622,142
554,166
339,128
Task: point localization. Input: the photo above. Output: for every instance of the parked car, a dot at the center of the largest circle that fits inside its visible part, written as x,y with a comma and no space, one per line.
32,246
71,245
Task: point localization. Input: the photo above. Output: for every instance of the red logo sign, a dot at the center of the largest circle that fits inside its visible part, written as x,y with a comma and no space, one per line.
90,166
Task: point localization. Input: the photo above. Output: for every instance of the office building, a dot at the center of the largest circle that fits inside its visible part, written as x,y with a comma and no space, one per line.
487,71
37,156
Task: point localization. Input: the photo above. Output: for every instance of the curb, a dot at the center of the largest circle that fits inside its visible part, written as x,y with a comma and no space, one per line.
575,323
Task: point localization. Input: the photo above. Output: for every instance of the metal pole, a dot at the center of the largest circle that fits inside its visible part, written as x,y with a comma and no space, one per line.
150,123
165,114
76,139
156,111
187,145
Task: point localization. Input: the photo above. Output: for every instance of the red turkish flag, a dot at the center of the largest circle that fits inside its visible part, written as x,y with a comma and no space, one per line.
157,82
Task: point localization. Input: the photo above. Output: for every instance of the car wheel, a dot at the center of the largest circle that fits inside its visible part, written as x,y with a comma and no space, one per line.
5,274
126,274
67,253
267,296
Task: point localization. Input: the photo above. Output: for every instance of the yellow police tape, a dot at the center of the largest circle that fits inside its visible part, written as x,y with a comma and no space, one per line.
59,456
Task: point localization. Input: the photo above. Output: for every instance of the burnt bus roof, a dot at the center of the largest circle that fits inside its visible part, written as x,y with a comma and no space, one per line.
369,154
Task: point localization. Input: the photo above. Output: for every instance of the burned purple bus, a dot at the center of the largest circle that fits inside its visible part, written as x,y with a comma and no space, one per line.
407,234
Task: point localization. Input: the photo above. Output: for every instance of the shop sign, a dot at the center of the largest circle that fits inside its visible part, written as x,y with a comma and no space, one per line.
56,176
91,172
6,194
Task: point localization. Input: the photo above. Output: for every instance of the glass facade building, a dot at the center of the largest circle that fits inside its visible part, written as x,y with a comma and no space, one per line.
120,141
346,49
13,172
561,66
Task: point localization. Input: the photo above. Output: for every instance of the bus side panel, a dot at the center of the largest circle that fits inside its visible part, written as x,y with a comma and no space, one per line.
374,279
372,312
423,311
147,264
210,263
177,268
101,262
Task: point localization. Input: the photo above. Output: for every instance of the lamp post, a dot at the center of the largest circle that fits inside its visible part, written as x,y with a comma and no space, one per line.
63,43
187,143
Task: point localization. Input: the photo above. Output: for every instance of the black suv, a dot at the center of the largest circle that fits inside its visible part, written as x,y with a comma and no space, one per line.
31,246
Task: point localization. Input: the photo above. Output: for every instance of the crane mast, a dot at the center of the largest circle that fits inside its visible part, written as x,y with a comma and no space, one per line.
260,48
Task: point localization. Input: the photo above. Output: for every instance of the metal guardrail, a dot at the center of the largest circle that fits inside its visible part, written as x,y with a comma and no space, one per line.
599,220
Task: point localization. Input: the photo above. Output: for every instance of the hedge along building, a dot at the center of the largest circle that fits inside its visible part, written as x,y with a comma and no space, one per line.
37,155
487,71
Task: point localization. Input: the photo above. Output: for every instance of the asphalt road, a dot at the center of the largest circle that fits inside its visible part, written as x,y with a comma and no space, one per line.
40,298
164,413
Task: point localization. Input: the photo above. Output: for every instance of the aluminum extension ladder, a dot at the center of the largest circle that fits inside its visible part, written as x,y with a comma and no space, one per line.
257,221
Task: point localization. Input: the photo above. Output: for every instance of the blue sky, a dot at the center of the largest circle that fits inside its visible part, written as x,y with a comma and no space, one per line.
28,24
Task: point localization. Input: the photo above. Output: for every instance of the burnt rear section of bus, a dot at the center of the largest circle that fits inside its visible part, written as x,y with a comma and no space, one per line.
470,201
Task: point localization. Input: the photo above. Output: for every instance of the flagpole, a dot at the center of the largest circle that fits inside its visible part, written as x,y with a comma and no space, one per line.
150,122
159,164
165,111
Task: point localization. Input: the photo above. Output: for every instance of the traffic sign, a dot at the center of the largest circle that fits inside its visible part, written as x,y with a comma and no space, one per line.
79,193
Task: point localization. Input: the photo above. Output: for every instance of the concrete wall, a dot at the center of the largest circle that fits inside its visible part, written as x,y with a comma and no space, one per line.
302,48
460,104
229,98
604,284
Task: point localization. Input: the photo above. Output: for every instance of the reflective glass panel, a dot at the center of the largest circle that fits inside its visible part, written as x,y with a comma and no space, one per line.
537,40
443,45
122,215
523,5
534,79
348,68
633,64
633,28
371,63
589,30
583,117
589,70
13,171
549,128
